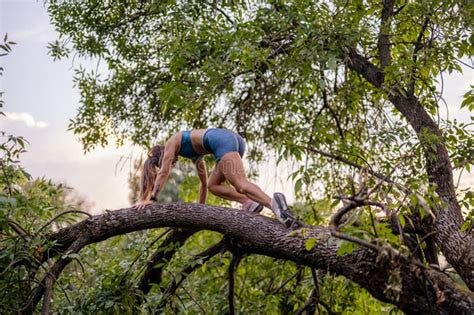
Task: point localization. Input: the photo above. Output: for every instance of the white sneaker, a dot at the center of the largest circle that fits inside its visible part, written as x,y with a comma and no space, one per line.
281,210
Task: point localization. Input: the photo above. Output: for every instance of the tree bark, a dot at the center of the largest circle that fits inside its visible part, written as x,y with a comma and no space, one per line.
420,291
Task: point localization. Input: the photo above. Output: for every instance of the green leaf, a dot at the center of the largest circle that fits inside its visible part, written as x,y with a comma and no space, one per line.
466,226
346,247
401,219
322,84
332,63
309,243
298,185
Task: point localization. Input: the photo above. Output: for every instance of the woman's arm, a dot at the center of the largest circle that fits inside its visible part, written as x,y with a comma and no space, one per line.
202,173
167,163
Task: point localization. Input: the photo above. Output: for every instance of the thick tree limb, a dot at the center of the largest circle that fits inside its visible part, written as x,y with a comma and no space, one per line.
163,254
261,235
47,296
458,247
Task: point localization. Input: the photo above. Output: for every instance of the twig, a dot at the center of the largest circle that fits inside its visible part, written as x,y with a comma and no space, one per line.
53,274
216,7
463,63
400,8
313,298
203,311
286,282
357,166
372,222
418,45
420,241
374,247
146,249
59,215
232,267
352,239
18,229
204,256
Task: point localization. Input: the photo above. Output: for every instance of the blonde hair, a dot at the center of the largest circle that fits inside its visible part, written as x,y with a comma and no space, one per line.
149,171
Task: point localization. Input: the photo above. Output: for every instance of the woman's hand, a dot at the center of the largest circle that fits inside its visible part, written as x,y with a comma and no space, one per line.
142,204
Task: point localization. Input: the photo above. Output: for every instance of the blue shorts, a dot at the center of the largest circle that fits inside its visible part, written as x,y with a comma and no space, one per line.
220,141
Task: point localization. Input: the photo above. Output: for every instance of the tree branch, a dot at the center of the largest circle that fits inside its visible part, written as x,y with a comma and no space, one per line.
383,43
257,234
310,306
163,254
204,257
341,159
284,283
47,296
331,111
53,274
232,267
417,46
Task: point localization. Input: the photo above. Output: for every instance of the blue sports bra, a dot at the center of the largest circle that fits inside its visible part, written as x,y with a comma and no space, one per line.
186,149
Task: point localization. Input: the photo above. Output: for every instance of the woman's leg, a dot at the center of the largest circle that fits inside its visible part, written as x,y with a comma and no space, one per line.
217,187
232,168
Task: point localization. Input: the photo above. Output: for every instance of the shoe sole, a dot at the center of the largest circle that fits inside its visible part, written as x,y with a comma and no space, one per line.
256,207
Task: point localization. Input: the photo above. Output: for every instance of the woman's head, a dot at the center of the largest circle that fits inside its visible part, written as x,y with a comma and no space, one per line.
149,171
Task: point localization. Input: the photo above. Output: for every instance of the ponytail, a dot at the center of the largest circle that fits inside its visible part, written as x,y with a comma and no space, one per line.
149,171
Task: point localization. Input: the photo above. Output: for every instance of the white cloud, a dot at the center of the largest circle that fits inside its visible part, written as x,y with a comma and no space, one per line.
26,118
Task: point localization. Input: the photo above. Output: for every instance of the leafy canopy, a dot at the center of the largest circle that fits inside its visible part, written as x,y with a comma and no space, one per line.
275,71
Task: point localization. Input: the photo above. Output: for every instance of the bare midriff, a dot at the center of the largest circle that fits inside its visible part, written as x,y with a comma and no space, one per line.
197,136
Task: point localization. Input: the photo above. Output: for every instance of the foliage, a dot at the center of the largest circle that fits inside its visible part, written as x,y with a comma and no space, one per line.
281,74
29,210
281,65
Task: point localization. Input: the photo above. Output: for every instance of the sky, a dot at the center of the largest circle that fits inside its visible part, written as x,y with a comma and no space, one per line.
40,98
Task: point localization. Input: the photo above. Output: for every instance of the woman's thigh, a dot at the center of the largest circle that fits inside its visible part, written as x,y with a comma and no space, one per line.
232,168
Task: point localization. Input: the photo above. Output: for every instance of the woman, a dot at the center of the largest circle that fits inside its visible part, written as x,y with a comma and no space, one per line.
228,149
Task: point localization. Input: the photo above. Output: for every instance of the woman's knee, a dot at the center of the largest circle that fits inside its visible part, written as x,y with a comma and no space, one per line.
213,188
243,187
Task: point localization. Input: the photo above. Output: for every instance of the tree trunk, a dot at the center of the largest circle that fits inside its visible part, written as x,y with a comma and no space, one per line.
458,247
